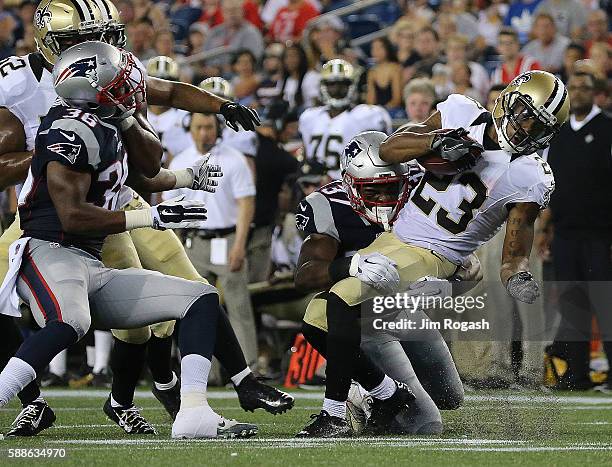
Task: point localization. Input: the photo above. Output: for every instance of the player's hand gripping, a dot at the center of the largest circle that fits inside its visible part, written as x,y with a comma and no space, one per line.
178,213
203,174
376,270
523,287
452,145
237,115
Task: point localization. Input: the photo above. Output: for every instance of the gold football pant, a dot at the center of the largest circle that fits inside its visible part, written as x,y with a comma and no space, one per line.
413,262
141,248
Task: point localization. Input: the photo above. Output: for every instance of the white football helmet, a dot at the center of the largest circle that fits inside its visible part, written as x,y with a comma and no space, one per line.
338,83
100,79
377,189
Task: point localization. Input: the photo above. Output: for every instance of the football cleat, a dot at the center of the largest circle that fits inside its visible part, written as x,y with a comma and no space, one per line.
358,408
34,418
169,398
384,411
323,425
129,419
204,422
253,394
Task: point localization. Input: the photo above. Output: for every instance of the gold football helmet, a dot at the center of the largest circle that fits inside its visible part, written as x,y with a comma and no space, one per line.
219,87
59,24
530,112
338,83
163,67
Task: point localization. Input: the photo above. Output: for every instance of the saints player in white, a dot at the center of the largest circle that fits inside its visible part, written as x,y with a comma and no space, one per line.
449,217
327,129
26,94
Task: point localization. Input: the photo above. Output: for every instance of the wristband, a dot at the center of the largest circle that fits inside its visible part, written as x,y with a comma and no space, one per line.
184,178
138,218
339,269
126,124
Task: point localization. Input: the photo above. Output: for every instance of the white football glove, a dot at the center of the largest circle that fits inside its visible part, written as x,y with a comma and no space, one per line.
522,287
178,213
204,174
376,270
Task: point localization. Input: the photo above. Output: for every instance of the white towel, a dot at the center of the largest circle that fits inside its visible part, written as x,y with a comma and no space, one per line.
9,300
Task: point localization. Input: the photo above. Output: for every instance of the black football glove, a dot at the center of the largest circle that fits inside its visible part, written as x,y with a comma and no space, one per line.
453,145
236,114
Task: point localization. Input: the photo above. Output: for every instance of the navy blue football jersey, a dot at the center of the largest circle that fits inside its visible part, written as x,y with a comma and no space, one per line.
328,211
84,143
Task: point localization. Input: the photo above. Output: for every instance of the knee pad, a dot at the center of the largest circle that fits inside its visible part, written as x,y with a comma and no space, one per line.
163,330
80,323
133,336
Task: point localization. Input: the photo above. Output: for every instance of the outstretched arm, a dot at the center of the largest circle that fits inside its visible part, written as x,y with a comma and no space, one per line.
14,158
408,144
182,96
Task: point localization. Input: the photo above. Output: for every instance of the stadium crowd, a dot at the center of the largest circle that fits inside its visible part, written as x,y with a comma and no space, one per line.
415,53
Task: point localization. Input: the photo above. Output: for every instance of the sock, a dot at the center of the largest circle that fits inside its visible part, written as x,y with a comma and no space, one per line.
15,376
194,379
116,404
159,359
104,342
126,363
167,386
198,327
90,352
40,348
238,377
334,408
57,366
227,349
384,390
29,394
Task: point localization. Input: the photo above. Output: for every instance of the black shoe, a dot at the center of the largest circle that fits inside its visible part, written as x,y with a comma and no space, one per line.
254,394
53,380
384,411
34,418
169,398
129,419
323,425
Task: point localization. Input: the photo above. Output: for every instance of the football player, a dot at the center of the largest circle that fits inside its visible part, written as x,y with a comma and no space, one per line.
26,94
341,218
449,217
82,150
326,130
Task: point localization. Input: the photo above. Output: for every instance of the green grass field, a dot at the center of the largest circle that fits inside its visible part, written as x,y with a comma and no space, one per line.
500,428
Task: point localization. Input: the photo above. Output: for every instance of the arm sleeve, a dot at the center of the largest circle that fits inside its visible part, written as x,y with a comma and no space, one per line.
241,178
532,181
72,143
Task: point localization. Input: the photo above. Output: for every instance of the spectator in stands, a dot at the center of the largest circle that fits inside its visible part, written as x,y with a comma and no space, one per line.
270,87
164,43
402,36
246,79
235,33
419,99
461,80
290,21
573,53
520,17
456,51
548,47
493,94
146,9
300,86
569,16
601,59
196,38
465,23
581,214
385,77
212,14
512,62
418,12
490,21
427,46
7,41
141,35
597,29
325,40
25,17
126,10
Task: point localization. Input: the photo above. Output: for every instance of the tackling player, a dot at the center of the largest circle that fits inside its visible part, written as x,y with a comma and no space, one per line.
449,217
26,94
326,130
78,170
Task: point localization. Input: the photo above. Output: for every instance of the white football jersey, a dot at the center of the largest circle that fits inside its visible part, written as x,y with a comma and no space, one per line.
171,131
325,137
454,215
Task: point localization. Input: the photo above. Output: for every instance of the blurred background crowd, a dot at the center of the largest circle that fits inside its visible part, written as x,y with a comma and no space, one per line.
408,55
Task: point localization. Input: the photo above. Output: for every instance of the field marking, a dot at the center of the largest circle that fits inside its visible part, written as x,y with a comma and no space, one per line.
525,449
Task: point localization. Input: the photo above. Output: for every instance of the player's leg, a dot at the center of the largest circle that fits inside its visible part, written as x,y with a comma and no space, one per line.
34,406
133,298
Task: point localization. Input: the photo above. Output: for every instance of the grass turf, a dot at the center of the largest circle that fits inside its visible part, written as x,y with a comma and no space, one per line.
499,428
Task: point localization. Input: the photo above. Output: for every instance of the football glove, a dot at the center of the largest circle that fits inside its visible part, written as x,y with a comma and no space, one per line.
453,145
178,213
204,174
376,270
237,115
523,287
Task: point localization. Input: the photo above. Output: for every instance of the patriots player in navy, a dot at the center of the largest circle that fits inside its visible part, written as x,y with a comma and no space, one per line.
77,172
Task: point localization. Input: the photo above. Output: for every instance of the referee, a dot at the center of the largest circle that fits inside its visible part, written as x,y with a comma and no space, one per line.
218,251
581,215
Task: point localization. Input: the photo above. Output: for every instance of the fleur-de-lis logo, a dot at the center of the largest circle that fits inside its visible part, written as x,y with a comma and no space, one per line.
42,17
520,79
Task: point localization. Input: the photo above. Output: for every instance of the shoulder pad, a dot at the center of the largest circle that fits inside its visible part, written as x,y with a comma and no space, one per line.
75,141
314,215
533,178
16,80
459,111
